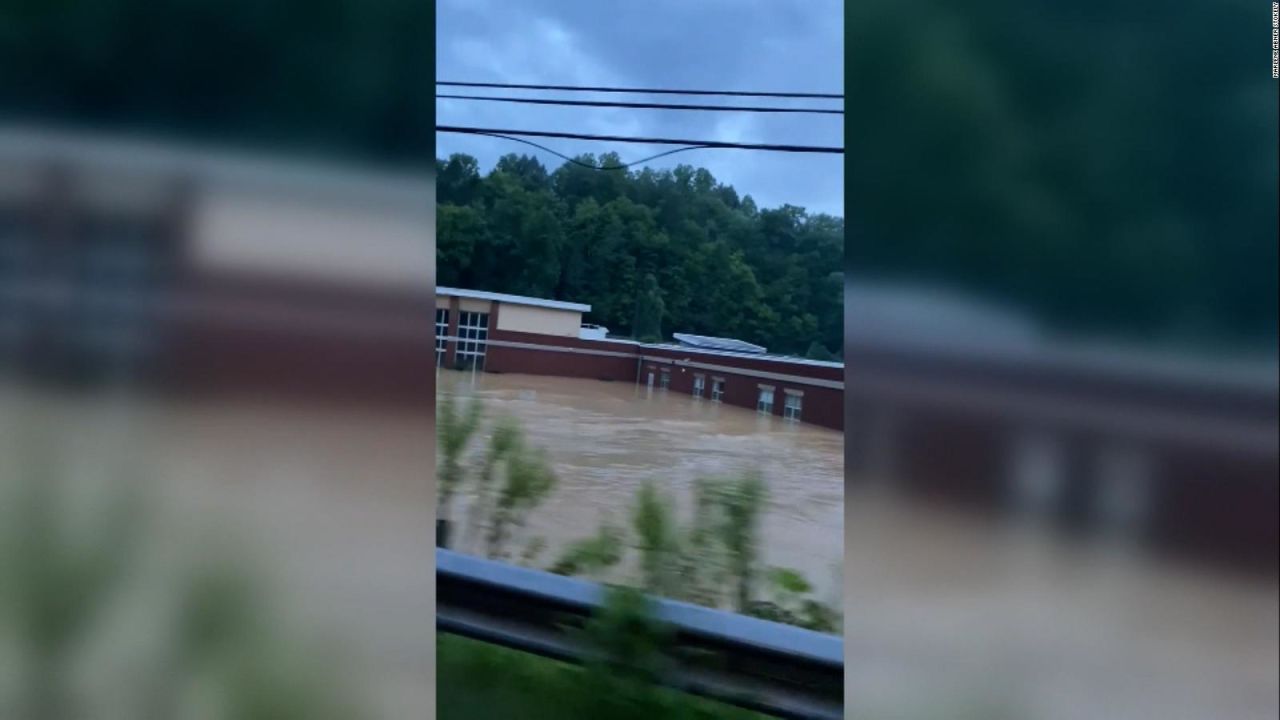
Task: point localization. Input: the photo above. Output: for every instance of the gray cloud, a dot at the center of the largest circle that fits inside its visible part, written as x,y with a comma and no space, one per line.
713,44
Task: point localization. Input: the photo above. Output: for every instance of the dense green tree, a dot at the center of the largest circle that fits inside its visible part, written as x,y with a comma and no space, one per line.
1104,176
818,352
652,251
649,309
322,76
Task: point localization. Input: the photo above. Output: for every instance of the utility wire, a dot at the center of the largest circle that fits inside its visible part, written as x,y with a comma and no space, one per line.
708,144
645,91
646,106
579,163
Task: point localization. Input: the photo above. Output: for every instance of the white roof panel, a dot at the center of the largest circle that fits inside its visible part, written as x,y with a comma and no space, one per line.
715,343
513,299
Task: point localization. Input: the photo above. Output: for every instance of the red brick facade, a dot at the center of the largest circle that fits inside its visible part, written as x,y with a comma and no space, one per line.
819,386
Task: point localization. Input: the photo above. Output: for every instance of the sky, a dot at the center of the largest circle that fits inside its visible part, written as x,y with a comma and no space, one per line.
768,45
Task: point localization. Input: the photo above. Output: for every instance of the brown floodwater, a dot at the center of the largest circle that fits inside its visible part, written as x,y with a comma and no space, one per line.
946,615
607,438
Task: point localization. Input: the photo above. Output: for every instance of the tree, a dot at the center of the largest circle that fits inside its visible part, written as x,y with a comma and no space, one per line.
593,555
647,326
817,351
454,428
529,479
654,523
741,503
505,440
598,237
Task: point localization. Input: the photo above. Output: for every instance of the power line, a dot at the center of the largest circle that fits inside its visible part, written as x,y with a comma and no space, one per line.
645,106
589,166
644,91
708,144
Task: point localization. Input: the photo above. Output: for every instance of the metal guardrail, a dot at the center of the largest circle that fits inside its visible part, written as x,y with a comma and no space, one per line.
767,667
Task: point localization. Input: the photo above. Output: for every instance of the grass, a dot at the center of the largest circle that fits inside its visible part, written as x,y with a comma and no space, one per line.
477,681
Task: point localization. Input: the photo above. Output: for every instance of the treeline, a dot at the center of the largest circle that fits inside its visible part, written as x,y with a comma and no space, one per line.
652,251
329,77
1104,176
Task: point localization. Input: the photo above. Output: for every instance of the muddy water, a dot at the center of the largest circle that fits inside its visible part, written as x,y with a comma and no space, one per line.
605,439
965,617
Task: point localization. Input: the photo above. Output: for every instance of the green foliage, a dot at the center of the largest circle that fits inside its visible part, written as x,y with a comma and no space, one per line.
350,79
627,657
62,573
817,351
327,76
649,310
788,603
529,479
53,583
626,640
592,556
648,249
789,581
507,438
1080,176
476,681
740,503
454,428
717,549
653,520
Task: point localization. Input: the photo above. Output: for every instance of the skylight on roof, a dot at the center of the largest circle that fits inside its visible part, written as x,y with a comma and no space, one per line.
715,343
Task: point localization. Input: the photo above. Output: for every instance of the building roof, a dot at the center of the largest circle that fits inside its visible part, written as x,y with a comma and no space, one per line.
945,323
217,167
513,299
704,342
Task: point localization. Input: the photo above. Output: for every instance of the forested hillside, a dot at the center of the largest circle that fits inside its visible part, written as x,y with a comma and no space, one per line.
1109,169
719,264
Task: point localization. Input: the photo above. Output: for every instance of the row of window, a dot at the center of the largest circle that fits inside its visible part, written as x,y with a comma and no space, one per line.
473,335
791,408
473,338
96,307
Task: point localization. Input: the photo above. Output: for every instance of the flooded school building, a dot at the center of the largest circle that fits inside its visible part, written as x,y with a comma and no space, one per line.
499,333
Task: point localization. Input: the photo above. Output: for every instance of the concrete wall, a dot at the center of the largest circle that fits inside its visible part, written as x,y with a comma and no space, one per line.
547,321
473,305
310,239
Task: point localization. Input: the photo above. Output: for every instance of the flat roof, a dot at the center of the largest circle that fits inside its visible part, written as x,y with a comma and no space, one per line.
236,168
717,343
513,299
727,353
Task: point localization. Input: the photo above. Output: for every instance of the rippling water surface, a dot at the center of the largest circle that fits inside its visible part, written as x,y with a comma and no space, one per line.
605,439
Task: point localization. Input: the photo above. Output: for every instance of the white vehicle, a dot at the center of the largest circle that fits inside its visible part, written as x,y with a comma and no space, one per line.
593,332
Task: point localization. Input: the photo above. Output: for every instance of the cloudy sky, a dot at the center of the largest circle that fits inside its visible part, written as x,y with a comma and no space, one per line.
770,45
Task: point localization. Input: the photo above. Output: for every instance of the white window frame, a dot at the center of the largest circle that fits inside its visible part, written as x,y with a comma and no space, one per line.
763,407
717,389
664,378
442,334
792,405
473,338
699,385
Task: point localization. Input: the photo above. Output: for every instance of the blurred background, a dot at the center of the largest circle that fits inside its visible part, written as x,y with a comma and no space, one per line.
216,269
1060,335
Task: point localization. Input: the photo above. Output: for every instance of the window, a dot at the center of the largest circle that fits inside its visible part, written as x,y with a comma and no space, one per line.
717,389
699,385
765,403
473,337
791,405
119,280
664,379
18,248
442,333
